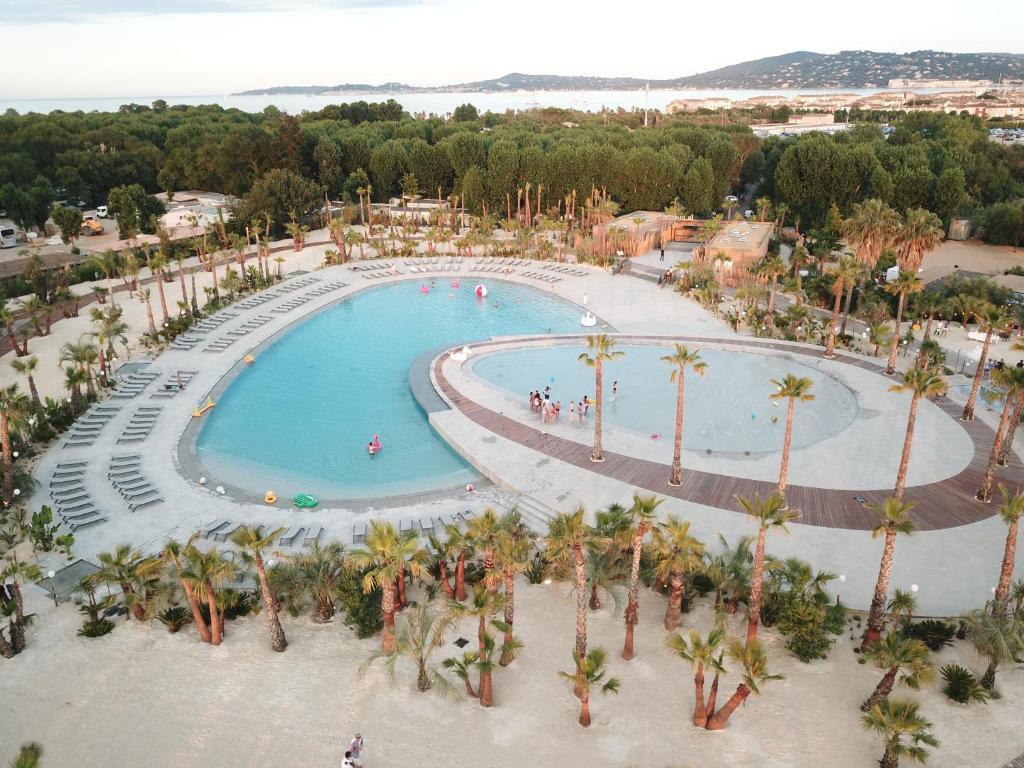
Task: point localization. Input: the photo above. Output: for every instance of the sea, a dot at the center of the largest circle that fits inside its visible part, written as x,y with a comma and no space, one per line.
428,103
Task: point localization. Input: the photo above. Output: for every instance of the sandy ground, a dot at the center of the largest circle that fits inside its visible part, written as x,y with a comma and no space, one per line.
143,696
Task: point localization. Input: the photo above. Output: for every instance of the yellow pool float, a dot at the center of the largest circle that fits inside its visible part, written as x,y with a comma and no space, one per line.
270,497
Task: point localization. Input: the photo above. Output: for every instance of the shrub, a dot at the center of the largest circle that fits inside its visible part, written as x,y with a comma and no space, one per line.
97,628
961,685
537,569
932,632
175,618
362,610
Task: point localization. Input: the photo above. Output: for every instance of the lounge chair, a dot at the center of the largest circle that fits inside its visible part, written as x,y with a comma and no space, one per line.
288,537
144,503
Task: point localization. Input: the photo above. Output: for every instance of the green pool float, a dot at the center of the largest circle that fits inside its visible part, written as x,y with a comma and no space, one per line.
305,500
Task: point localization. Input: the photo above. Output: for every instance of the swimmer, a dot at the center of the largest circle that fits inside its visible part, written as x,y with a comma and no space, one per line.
615,388
371,450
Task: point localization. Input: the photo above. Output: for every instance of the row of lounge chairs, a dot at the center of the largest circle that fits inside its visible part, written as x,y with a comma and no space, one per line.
194,334
542,278
125,474
424,526
174,384
133,384
89,426
380,275
373,266
73,504
564,269
140,424
297,283
222,530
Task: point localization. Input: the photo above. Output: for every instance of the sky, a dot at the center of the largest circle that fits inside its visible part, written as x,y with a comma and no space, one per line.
79,48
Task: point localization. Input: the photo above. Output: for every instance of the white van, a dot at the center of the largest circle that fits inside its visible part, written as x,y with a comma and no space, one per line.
8,236
101,212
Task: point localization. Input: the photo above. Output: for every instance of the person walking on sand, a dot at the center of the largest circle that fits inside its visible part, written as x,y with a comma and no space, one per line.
356,748
615,389
348,762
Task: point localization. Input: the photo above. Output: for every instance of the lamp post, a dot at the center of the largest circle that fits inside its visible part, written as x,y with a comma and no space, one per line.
53,588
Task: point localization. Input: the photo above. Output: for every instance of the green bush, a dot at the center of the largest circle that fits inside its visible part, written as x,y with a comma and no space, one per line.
961,685
96,628
932,632
175,618
536,571
362,610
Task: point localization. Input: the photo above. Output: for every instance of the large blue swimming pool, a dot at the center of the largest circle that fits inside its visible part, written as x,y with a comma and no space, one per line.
300,418
727,410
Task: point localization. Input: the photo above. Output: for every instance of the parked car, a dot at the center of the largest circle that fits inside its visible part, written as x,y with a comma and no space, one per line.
8,237
732,198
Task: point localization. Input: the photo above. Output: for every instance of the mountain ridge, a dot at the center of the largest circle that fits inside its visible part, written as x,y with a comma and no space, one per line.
796,69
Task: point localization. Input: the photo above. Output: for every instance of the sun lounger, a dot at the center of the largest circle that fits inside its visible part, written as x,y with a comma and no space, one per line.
72,465
144,503
288,537
312,535
426,526
213,527
73,507
225,533
359,533
77,525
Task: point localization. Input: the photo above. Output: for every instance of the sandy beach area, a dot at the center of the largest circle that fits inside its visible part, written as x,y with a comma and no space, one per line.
142,696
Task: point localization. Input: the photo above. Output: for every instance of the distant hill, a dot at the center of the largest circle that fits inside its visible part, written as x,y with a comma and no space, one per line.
799,69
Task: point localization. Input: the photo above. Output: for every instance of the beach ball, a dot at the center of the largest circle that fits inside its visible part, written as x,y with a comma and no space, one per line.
202,481
469,487
455,283
481,291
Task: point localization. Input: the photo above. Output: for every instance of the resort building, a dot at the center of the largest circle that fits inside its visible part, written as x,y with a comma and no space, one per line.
742,242
799,124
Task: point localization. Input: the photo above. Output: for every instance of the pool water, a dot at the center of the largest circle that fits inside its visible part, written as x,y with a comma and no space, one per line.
727,410
300,418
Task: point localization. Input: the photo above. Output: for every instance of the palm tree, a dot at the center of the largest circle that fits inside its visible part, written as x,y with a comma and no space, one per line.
423,630
701,654
158,265
601,348
7,320
206,571
792,388
144,295
928,305
642,516
567,540
483,606
899,655
905,284
893,519
120,568
483,531
870,229
14,574
109,263
252,541
317,575
14,407
462,667
173,555
676,553
457,547
1012,382
998,637
28,756
846,273
754,660
771,268
919,382
920,232
1011,510
384,556
769,512
512,556
990,319
588,672
180,258
26,369
904,732
74,378
680,360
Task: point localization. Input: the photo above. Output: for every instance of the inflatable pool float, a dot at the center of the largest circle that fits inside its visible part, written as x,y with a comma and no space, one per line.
305,501
455,283
424,289
270,498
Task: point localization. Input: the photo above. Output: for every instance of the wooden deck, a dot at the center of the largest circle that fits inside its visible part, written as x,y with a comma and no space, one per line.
945,504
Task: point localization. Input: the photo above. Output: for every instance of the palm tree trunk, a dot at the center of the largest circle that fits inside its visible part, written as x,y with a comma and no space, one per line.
894,344
830,346
184,289
876,614
700,715
388,644
674,611
883,689
5,446
771,302
889,759
163,299
197,614
985,492
581,602
6,651
216,620
1004,454
585,708
460,576
632,606
676,477
709,710
449,590
756,585
1006,569
719,720
149,317
401,603
787,442
507,653
968,414
908,441
277,638
846,308
36,402
598,454
485,688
